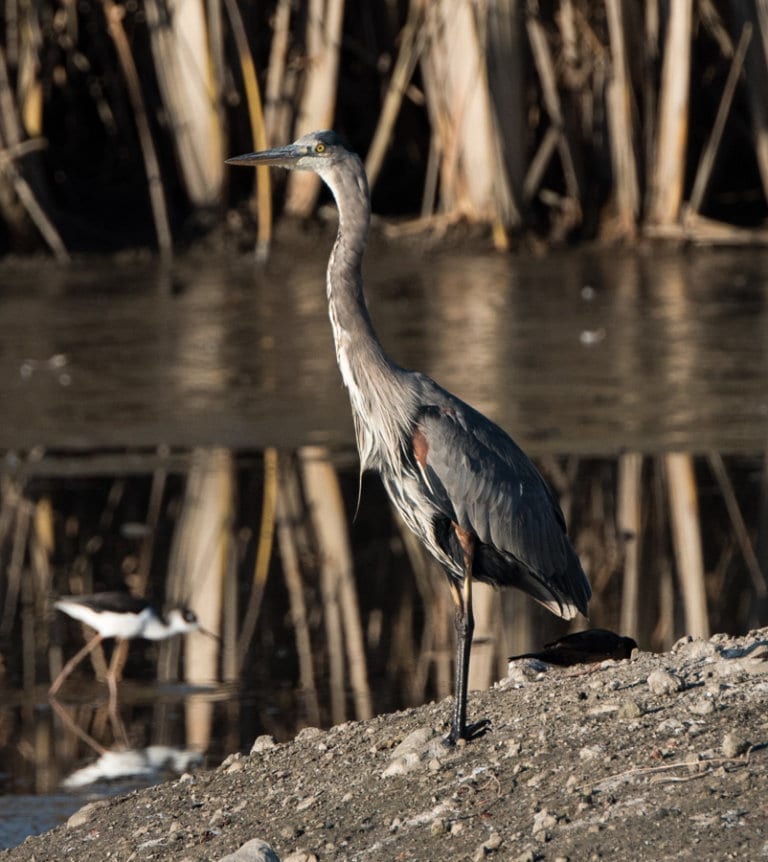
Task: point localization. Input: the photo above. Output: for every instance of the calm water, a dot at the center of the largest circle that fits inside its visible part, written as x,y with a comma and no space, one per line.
584,352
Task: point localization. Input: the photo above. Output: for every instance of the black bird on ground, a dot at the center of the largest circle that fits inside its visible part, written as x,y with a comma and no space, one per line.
585,647
459,482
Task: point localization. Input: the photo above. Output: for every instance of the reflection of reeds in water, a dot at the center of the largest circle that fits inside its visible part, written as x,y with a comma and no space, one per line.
669,544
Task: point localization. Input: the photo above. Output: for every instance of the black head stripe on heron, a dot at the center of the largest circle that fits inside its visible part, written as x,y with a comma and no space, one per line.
461,484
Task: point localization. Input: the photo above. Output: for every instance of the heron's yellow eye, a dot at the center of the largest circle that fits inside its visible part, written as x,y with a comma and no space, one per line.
319,148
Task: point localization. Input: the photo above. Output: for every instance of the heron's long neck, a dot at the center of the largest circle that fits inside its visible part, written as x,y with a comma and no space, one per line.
379,401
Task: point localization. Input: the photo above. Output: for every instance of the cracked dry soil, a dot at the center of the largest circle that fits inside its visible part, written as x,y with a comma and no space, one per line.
656,758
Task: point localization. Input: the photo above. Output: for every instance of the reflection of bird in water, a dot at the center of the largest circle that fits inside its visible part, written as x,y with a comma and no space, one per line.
585,647
459,482
124,617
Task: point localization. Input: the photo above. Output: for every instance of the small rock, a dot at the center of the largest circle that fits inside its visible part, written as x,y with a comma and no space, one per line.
412,750
590,752
734,744
438,826
306,803
263,743
492,842
307,733
630,709
702,706
84,814
664,682
543,821
300,856
457,827
254,850
526,856
695,648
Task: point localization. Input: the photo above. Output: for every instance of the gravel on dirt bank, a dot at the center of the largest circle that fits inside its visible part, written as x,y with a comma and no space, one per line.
653,758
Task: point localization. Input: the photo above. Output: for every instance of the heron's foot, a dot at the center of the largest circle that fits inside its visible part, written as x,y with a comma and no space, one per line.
468,733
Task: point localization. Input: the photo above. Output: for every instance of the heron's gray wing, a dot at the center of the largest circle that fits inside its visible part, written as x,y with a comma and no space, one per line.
479,478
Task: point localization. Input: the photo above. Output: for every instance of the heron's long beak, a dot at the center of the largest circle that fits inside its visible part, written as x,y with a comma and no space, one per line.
282,157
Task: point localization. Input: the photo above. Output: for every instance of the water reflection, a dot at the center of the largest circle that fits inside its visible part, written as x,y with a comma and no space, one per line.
580,351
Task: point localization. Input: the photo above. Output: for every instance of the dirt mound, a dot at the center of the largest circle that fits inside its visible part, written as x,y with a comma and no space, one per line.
654,758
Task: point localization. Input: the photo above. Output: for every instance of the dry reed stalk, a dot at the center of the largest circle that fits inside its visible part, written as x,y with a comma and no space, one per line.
506,78
472,178
629,524
709,153
739,527
12,147
482,668
686,536
114,17
41,547
318,101
621,124
183,67
545,67
412,39
15,573
669,167
263,555
288,513
761,544
258,130
326,508
436,645
202,545
276,109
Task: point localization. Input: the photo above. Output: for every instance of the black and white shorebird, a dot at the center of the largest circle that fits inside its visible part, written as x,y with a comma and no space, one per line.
123,617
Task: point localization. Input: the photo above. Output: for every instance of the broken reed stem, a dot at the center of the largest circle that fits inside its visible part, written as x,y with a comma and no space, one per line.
669,167
274,111
114,17
709,154
629,520
326,509
739,527
258,130
263,554
412,39
288,513
686,536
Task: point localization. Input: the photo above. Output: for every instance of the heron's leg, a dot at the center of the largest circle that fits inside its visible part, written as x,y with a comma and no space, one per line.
465,627
73,663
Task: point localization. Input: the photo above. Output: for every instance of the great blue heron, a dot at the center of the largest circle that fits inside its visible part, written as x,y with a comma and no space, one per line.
460,483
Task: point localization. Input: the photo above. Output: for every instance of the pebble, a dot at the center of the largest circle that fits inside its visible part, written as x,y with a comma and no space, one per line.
734,744
695,649
702,706
590,752
307,733
664,682
254,850
301,856
543,821
84,814
412,750
630,709
263,743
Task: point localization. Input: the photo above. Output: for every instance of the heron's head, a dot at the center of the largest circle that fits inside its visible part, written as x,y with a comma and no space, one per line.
316,151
